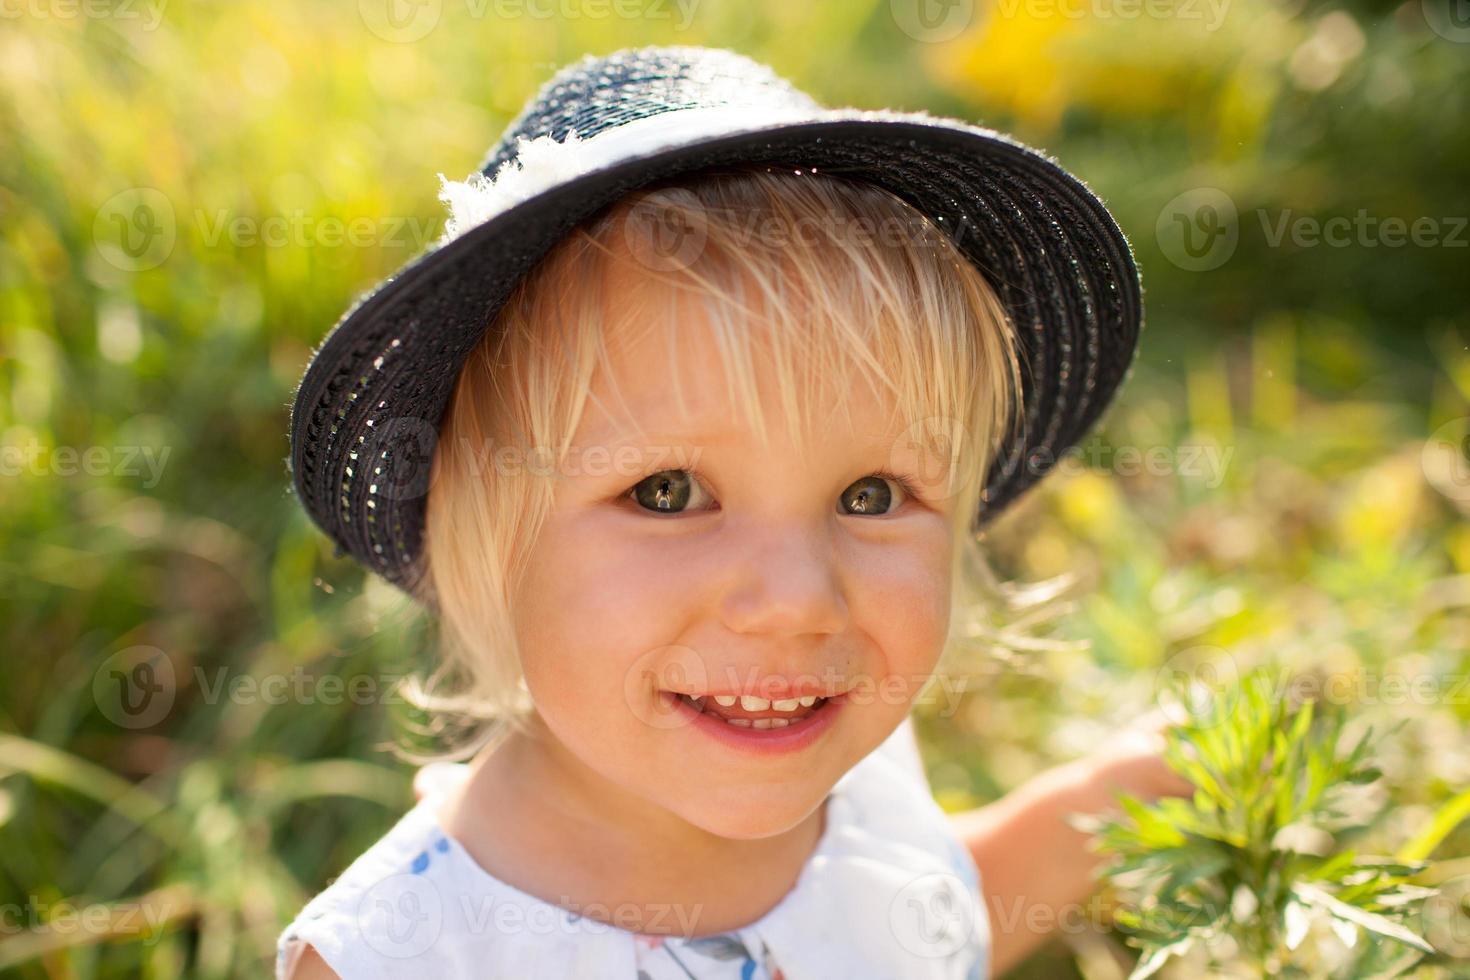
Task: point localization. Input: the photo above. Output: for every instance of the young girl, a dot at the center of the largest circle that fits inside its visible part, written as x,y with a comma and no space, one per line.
684,432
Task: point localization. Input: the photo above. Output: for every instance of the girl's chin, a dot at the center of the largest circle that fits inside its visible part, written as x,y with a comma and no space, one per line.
752,821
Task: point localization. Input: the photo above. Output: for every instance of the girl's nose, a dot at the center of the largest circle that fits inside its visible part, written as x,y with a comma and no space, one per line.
785,581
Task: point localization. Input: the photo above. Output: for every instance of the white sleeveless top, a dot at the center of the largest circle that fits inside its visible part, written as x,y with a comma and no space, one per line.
889,892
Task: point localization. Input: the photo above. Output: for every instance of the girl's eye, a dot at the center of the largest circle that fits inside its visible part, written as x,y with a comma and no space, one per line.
672,491
667,491
873,494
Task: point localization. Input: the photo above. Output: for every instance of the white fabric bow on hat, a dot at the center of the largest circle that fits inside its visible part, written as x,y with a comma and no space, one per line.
543,162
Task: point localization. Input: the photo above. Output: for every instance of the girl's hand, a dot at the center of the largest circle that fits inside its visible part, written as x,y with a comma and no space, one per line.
1135,764
1033,858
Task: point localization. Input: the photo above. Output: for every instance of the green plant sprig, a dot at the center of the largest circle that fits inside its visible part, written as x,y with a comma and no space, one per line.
1259,850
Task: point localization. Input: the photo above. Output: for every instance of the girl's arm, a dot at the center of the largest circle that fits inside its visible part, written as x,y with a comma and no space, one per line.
311,966
1036,870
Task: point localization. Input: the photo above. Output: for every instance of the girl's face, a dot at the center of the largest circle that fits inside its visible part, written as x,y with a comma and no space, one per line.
742,571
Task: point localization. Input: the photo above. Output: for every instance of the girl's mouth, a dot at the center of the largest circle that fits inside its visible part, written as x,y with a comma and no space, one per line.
750,728
753,712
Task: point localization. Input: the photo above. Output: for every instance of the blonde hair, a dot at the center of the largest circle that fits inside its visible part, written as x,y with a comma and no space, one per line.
848,278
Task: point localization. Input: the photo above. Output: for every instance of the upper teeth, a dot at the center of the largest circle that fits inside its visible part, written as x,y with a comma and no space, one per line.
750,702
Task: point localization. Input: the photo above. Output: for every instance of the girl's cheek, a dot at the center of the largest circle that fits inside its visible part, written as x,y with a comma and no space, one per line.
592,612
902,590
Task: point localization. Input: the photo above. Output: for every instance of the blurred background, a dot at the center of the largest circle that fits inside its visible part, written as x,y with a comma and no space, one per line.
192,191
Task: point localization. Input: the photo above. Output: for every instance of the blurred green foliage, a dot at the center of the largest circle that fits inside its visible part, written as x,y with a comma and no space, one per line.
191,193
